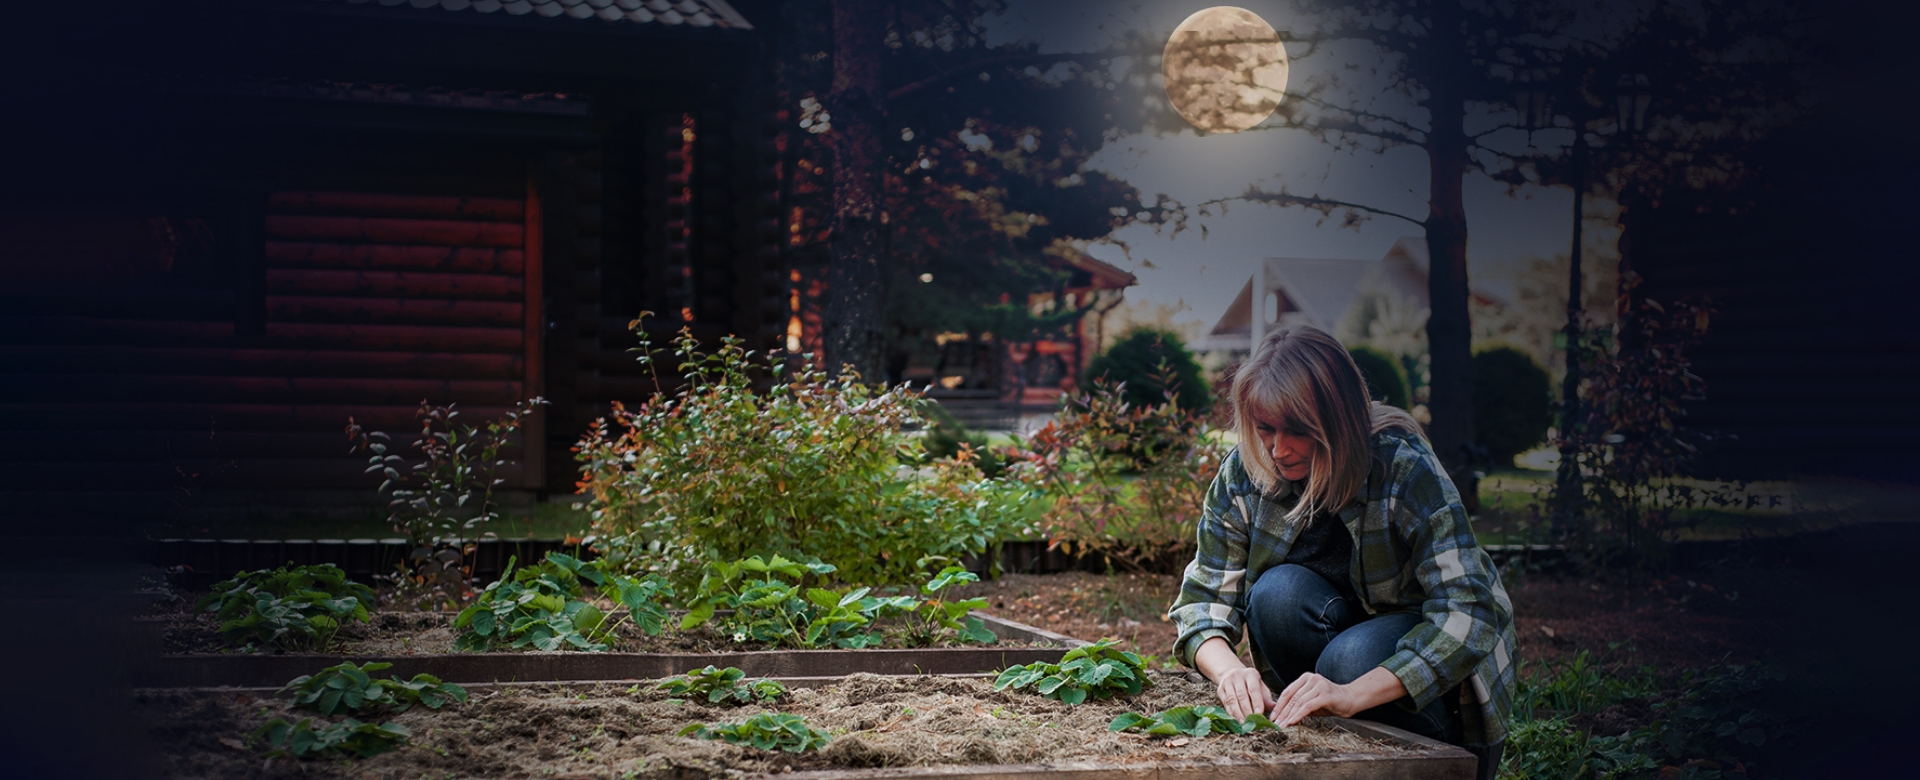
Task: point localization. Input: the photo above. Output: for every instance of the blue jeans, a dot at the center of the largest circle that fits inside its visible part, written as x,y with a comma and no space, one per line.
1300,624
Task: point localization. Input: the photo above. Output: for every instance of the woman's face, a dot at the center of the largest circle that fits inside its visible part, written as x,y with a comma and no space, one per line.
1289,445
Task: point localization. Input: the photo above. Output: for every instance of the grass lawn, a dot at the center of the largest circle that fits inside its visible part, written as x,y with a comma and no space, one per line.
1514,507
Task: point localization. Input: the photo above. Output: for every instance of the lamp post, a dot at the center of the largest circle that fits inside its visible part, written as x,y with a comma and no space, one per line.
1631,98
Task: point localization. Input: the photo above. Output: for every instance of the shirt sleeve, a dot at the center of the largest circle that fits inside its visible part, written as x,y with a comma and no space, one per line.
1213,597
1462,616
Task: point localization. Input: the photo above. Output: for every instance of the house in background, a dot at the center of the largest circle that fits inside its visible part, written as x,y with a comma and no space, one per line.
1323,294
234,225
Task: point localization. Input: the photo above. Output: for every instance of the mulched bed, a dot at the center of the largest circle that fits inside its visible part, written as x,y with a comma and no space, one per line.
617,731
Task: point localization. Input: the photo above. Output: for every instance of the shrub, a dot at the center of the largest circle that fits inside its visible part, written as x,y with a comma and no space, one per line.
946,436
1512,402
812,466
1386,380
289,607
1125,482
1152,364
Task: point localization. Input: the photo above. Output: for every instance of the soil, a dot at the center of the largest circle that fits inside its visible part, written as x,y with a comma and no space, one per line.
613,731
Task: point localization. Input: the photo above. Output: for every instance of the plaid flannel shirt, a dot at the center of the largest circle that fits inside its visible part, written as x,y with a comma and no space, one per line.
1414,551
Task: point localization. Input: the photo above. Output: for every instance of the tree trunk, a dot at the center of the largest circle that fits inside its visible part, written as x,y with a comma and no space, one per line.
1449,331
857,106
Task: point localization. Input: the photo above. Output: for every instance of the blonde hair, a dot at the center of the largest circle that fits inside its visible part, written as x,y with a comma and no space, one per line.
1302,378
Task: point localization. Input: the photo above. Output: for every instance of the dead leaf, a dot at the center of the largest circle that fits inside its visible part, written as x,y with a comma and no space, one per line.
1547,631
234,743
1181,742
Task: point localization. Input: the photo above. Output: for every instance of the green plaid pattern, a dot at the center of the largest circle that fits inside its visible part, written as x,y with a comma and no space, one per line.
1414,551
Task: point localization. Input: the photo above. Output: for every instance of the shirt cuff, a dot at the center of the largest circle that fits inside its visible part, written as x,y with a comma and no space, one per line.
1423,686
1192,643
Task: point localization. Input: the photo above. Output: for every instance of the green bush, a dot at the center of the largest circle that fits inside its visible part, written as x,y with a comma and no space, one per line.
945,435
1152,363
809,467
292,607
1512,402
1386,380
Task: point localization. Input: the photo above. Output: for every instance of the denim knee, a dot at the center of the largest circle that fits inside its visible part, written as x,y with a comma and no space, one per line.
1292,613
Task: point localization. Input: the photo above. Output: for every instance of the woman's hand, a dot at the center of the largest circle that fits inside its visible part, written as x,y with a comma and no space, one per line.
1243,693
1312,695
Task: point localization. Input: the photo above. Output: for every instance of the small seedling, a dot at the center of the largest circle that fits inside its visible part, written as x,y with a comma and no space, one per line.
348,688
347,738
723,685
766,731
1192,721
1099,670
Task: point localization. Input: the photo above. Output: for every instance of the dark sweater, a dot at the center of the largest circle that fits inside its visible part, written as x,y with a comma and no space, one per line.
1326,548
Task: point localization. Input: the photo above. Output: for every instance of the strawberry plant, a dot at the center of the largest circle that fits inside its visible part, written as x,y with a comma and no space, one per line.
1192,721
938,613
544,607
290,607
348,738
347,688
1099,670
722,685
766,731
775,609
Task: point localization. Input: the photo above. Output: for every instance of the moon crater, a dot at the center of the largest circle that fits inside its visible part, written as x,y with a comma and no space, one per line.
1225,69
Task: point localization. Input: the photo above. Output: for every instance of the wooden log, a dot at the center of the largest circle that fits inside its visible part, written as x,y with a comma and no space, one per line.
39,331
393,311
386,205
84,445
392,257
216,417
199,474
395,284
396,231
261,362
117,388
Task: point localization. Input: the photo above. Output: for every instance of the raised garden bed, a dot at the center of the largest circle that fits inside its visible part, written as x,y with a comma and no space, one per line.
1020,644
880,728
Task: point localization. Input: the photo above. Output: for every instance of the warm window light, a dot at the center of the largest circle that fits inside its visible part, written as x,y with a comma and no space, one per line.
793,333
686,314
926,278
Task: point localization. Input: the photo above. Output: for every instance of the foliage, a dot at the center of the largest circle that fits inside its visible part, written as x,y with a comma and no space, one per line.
1152,368
348,738
543,607
289,607
446,497
1099,670
1386,379
723,685
1200,721
947,437
1512,402
1125,482
1632,440
1712,728
347,688
776,609
719,471
766,731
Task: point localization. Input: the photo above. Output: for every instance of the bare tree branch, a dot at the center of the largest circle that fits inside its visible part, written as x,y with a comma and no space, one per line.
906,90
1315,202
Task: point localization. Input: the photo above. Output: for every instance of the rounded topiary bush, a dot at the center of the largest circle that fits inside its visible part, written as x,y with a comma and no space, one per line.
1386,381
1136,359
1512,402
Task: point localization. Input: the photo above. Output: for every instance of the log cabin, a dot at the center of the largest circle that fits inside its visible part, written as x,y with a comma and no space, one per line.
229,226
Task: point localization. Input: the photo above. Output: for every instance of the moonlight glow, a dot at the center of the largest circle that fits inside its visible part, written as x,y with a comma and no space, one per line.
1225,69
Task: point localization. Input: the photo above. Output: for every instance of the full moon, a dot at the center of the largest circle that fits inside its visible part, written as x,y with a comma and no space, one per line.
1225,69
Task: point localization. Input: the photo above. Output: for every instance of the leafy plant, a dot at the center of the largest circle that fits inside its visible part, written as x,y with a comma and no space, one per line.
445,497
1099,670
1152,367
1192,721
776,608
289,607
347,688
1512,402
544,606
1386,379
723,685
766,731
1125,481
349,737
752,456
